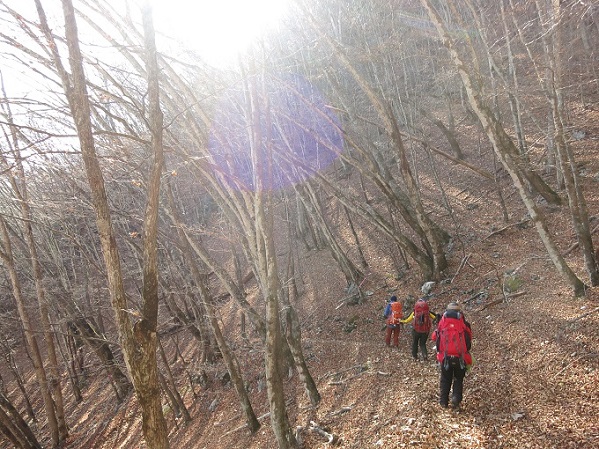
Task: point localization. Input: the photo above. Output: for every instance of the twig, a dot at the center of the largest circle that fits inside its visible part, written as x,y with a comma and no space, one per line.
344,300
237,429
590,312
500,300
492,303
574,245
221,423
341,371
590,355
499,231
473,297
515,295
462,263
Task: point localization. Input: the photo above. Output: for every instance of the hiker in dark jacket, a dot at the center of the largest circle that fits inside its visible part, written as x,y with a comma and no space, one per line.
393,315
421,319
453,338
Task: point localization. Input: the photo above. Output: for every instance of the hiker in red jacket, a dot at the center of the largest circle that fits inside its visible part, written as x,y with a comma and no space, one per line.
453,338
422,319
393,315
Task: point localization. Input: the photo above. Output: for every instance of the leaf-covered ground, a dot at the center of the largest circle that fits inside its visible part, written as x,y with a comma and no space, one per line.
535,383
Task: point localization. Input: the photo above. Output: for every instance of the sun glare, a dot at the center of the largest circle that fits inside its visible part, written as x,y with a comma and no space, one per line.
218,29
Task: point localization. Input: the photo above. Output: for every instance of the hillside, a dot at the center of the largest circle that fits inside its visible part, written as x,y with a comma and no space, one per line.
537,350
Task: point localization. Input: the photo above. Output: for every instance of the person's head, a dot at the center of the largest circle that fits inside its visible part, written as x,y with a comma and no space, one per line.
453,310
393,298
454,306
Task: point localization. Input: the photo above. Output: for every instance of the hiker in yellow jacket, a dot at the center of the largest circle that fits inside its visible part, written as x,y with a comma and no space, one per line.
422,319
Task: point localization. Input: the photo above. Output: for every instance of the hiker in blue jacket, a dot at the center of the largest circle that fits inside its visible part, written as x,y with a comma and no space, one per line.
393,315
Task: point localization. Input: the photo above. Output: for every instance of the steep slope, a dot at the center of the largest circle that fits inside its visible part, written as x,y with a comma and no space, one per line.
537,349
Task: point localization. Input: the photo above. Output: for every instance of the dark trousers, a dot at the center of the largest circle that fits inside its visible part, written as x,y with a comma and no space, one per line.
419,339
451,374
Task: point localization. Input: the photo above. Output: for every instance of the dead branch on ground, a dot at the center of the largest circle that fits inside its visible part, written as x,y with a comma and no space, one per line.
462,263
499,231
574,245
580,317
342,410
331,438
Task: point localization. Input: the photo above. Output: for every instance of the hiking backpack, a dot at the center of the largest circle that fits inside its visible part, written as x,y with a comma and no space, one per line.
422,319
451,341
394,314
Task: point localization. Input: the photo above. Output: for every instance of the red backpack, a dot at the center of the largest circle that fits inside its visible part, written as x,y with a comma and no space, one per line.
395,314
422,319
451,341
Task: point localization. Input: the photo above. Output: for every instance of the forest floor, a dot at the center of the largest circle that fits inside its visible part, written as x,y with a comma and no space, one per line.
534,384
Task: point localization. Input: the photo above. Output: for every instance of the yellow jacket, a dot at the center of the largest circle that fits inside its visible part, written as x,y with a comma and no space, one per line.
411,317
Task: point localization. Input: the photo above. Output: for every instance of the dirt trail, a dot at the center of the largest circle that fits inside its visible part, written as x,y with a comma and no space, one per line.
522,391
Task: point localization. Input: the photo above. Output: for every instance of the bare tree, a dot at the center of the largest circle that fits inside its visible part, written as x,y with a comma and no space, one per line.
6,254
17,179
15,427
139,340
502,145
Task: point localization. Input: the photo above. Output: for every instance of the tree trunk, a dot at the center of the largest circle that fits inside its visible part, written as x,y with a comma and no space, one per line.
7,257
308,196
139,340
18,182
230,361
448,133
187,246
230,285
179,405
576,201
501,144
294,339
268,275
100,347
412,210
14,426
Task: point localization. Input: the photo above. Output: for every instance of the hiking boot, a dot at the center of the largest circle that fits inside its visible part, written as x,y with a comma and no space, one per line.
443,404
455,404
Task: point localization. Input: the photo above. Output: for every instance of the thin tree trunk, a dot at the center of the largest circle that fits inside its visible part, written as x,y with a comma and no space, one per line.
7,257
230,285
308,196
187,246
18,183
576,200
501,142
15,427
100,347
14,369
268,274
350,222
230,361
432,236
513,92
178,401
294,338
